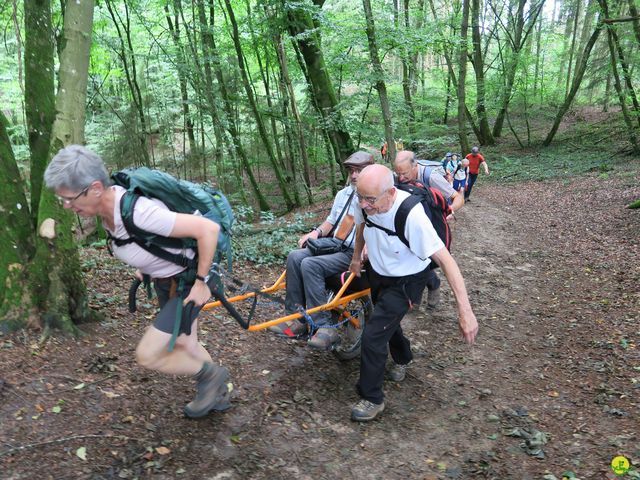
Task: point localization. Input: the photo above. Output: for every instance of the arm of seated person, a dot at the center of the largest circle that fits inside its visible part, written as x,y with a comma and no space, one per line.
317,232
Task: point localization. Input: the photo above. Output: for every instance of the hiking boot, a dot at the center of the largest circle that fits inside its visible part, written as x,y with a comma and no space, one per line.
212,392
294,329
364,411
324,338
433,298
398,372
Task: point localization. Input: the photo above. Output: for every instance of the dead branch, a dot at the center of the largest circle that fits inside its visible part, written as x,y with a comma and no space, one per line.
62,440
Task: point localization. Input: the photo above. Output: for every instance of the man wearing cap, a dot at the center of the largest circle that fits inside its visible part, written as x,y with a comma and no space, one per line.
306,273
408,170
475,159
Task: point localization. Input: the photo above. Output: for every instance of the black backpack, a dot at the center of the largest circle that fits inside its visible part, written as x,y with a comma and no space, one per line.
434,205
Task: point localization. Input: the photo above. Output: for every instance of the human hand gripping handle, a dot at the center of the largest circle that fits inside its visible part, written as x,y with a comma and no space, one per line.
199,294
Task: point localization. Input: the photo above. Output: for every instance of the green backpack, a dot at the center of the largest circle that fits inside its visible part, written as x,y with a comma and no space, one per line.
179,196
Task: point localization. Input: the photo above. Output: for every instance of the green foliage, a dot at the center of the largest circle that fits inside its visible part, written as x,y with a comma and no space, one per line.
552,163
269,241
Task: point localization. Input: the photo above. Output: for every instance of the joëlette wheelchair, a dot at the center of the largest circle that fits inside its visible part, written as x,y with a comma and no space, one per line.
349,303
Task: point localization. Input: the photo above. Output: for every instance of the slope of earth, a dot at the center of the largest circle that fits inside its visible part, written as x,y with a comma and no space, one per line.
550,387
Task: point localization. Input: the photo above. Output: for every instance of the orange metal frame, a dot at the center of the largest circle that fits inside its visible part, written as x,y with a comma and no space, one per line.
338,301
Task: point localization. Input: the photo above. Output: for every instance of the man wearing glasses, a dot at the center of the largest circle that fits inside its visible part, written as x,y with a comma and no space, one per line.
397,276
306,274
408,170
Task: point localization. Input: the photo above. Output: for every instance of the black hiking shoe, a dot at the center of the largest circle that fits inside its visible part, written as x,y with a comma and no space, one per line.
212,392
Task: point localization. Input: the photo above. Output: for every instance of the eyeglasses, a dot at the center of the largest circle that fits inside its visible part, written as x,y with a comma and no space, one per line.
70,200
370,200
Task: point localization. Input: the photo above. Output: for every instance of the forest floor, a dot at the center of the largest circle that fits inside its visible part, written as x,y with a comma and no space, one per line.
553,274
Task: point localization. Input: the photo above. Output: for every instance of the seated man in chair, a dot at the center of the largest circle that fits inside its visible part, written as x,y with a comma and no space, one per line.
306,274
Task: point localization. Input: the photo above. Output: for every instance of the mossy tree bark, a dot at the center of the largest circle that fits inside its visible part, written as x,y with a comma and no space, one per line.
306,37
56,279
17,230
39,90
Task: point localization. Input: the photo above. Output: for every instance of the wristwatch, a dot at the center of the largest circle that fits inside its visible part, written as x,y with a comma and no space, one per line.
204,279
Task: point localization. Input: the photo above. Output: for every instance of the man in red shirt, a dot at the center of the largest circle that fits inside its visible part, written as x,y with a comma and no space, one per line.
475,159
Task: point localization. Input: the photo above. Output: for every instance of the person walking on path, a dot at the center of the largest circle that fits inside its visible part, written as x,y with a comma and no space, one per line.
81,182
475,159
397,276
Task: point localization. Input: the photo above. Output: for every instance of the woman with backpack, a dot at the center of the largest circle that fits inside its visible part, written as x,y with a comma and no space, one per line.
81,182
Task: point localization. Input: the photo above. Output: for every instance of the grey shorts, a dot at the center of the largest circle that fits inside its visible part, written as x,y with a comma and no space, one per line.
169,307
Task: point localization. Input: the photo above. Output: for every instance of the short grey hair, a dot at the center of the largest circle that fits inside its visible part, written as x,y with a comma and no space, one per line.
74,168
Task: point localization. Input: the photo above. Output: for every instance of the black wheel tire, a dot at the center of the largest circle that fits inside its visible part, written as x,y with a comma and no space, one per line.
351,337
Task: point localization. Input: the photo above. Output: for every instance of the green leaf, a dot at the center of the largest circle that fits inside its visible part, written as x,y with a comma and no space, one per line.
80,386
56,409
81,453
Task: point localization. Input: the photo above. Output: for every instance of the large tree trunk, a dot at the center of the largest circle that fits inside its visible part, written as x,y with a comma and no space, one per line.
577,80
18,245
305,34
39,90
379,74
462,131
55,273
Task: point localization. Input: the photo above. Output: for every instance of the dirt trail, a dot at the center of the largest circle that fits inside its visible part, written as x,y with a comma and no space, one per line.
557,298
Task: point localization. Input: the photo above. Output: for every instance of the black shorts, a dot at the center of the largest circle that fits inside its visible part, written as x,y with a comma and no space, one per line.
166,319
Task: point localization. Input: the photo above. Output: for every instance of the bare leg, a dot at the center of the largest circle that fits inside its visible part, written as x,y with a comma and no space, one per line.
186,358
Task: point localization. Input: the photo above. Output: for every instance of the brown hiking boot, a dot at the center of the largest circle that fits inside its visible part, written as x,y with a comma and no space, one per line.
295,329
212,391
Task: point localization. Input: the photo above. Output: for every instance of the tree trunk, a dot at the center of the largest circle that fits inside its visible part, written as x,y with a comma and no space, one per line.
39,91
211,52
288,94
55,272
254,107
452,77
633,11
128,58
614,45
407,68
464,28
572,49
174,28
478,66
612,36
305,34
577,80
517,40
18,231
379,75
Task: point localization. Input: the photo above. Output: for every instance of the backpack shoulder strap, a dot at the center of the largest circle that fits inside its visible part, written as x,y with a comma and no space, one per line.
400,220
137,235
426,173
371,224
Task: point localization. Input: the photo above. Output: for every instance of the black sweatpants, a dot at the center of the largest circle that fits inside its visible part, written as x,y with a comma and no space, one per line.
392,297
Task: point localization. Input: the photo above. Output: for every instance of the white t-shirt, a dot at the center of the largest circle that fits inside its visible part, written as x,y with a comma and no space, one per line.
387,254
461,173
338,204
153,216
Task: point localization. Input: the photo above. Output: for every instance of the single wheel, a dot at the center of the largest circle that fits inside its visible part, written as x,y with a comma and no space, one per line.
356,313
